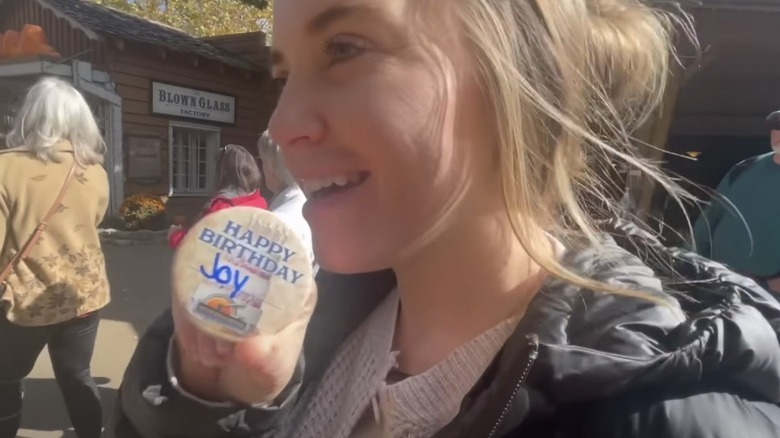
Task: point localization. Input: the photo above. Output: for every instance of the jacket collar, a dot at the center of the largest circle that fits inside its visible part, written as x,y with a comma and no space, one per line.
593,345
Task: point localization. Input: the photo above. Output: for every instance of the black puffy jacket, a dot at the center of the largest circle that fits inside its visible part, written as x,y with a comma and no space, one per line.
580,363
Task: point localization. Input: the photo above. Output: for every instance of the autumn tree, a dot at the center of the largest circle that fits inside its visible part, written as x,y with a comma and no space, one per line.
259,4
202,18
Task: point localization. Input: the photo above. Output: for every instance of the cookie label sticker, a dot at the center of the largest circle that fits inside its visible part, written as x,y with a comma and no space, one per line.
235,301
252,248
242,270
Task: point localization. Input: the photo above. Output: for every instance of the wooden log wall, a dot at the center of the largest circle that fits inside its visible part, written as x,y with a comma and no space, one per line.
133,69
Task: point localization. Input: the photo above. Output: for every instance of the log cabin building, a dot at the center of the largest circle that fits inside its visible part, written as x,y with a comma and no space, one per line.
164,100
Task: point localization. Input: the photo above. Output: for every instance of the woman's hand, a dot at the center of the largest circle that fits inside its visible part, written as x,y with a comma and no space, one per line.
255,370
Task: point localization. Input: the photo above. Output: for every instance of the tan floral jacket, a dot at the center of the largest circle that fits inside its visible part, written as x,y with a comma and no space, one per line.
65,274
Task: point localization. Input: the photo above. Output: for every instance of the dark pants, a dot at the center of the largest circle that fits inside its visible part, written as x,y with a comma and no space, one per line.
70,346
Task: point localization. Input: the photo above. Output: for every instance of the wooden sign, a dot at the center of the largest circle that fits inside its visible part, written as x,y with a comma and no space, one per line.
144,157
178,101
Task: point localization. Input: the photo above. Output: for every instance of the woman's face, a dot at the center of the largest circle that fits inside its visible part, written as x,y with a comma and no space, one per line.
385,129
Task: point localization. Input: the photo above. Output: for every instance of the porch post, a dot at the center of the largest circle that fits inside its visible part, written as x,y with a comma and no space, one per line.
115,156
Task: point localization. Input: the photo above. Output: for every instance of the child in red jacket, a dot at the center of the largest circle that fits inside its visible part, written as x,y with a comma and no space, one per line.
239,180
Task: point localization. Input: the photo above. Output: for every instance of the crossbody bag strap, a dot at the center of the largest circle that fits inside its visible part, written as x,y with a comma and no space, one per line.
24,251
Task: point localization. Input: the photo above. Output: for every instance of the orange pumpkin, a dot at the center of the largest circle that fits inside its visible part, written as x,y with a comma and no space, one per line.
11,47
33,41
30,42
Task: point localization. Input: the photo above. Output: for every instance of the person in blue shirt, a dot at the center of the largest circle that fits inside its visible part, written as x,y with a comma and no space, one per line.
740,228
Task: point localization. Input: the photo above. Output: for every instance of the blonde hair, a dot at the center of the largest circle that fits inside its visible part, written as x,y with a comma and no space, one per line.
569,82
53,111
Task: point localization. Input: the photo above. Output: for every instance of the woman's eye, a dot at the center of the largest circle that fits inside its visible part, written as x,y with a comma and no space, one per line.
342,48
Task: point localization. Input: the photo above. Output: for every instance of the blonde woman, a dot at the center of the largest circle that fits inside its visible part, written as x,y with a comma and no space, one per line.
53,295
464,291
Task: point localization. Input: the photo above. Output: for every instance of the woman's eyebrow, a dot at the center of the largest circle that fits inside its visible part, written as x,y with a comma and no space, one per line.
320,22
328,17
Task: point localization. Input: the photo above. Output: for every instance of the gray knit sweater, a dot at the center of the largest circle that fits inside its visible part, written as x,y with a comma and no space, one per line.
355,399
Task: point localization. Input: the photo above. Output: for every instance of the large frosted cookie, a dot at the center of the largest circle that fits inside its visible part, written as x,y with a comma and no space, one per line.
241,271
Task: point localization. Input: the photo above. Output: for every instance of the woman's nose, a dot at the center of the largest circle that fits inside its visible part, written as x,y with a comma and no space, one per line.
297,120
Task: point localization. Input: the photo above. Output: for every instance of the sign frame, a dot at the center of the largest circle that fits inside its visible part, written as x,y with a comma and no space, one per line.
192,103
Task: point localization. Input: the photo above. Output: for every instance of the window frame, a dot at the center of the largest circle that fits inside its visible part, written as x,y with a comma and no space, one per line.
213,134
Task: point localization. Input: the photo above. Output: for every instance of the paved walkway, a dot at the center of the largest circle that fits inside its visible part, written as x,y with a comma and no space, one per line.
140,291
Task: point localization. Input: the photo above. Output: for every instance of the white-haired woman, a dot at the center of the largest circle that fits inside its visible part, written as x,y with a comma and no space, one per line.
53,294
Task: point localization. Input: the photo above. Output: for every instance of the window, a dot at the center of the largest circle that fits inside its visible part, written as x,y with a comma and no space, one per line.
192,151
11,96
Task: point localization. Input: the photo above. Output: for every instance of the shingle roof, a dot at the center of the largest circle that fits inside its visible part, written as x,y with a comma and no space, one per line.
108,21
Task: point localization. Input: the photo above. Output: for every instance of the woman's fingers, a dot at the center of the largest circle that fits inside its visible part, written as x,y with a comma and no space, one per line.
198,345
264,364
253,351
225,349
263,353
254,370
185,333
207,352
